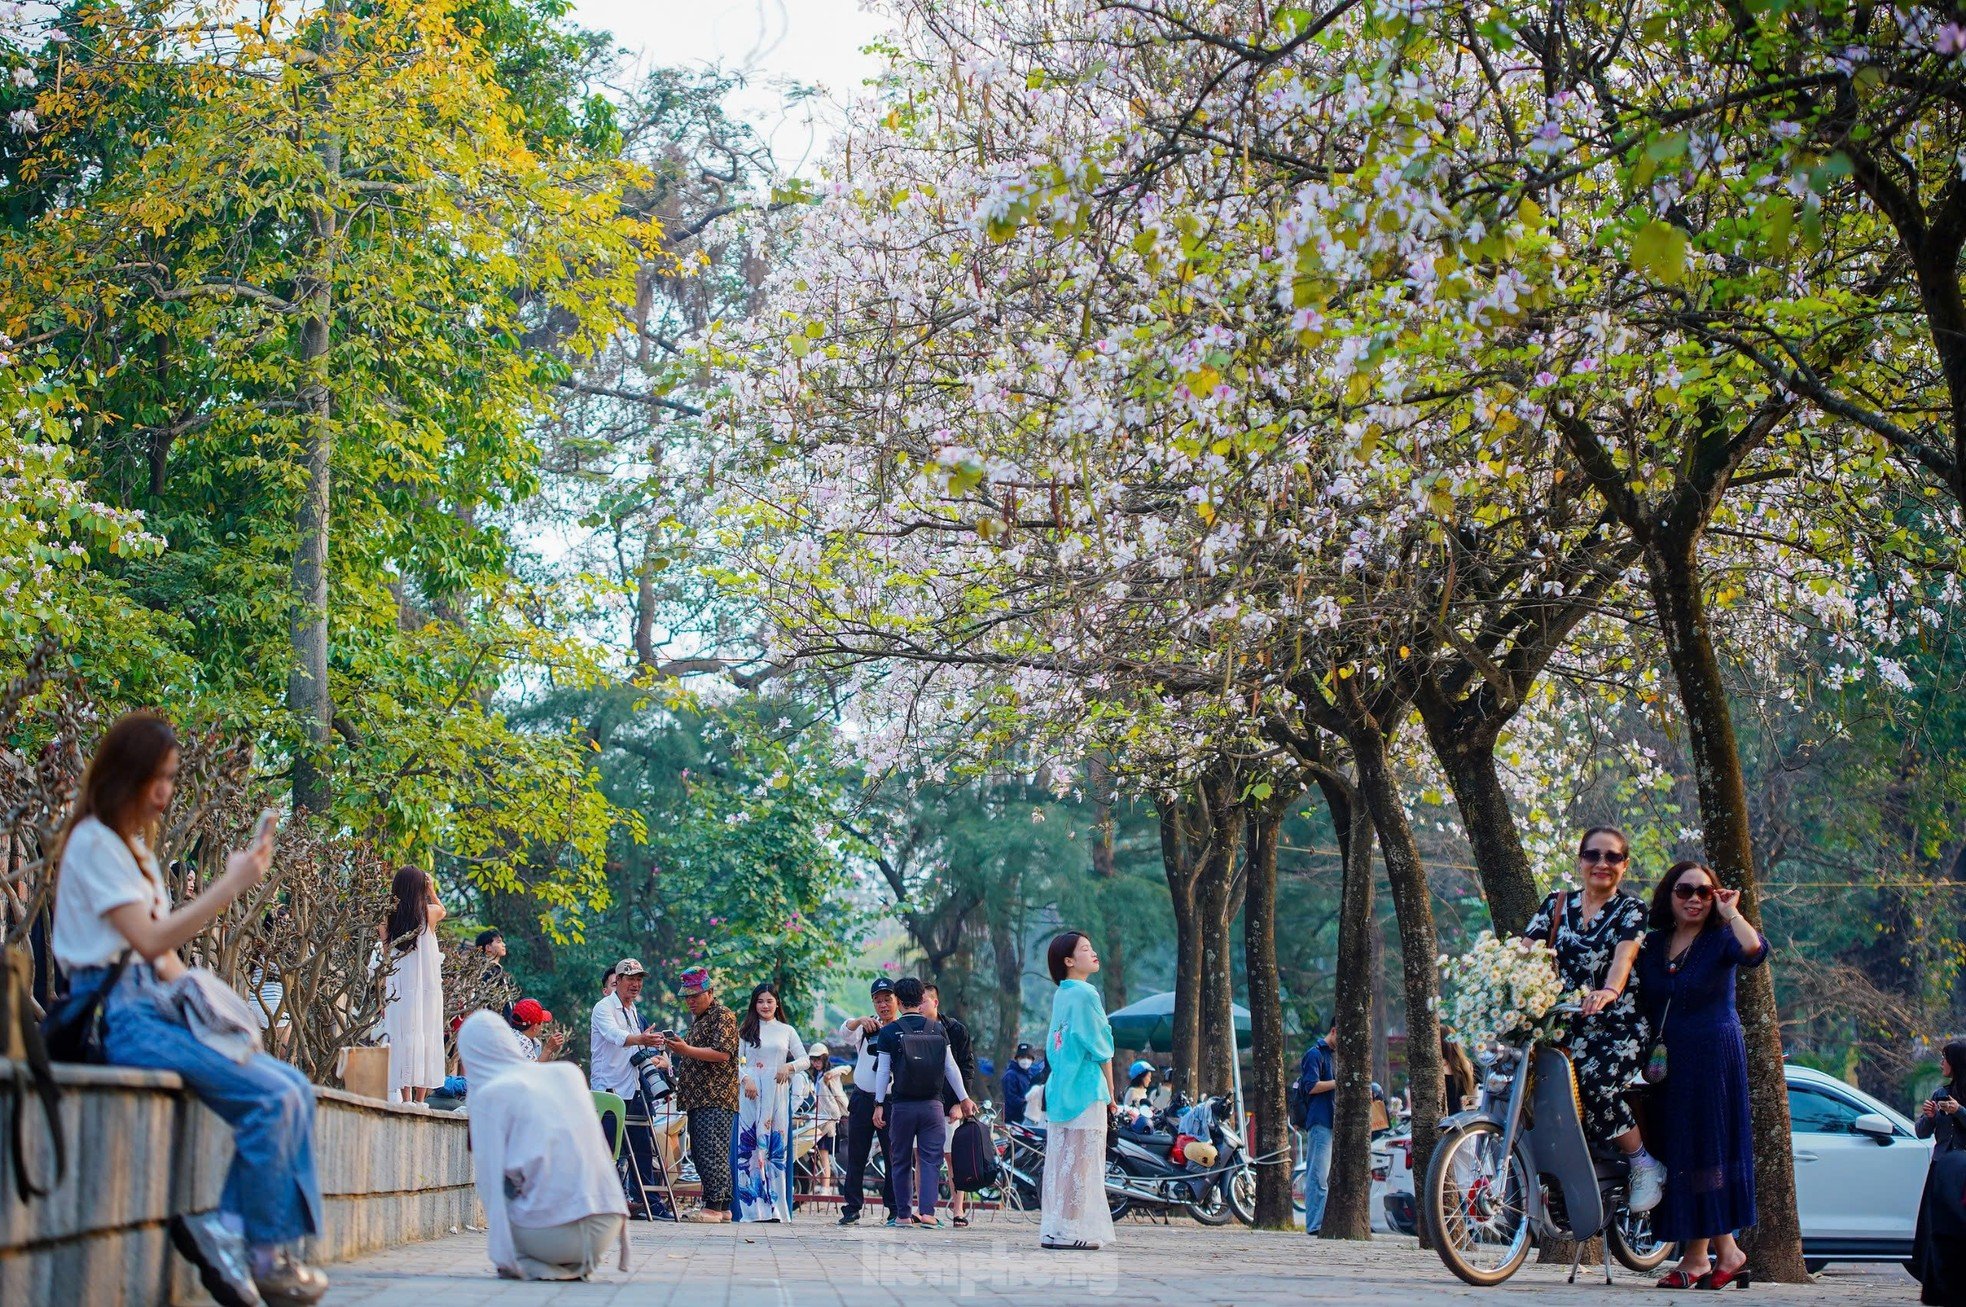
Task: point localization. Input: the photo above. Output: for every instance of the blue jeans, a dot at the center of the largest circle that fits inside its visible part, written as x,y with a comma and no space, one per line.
271,1185
1317,1175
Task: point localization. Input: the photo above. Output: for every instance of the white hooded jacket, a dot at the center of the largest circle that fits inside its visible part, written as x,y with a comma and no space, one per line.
538,1152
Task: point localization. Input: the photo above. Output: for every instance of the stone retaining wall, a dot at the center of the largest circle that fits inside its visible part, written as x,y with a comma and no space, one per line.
141,1150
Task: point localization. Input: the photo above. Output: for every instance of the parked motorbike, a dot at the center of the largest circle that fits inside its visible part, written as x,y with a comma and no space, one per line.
1212,1183
1519,1168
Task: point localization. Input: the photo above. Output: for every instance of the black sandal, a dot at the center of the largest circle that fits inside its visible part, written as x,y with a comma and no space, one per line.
959,1222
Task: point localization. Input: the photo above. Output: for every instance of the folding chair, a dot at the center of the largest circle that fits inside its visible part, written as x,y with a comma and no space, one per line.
613,1105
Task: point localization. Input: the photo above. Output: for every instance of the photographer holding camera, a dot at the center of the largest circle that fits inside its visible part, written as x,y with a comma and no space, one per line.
626,1063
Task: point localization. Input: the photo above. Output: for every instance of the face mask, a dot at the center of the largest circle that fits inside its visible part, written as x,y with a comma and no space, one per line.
1024,1062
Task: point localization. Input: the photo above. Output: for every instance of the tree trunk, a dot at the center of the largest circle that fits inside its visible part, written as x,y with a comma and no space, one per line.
308,695
1105,874
1418,945
1269,1079
1180,863
1215,900
1466,750
1775,1248
1348,1200
1217,1025
1382,1022
1009,959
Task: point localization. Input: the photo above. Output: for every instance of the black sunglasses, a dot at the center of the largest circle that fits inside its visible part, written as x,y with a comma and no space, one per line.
1604,856
1685,891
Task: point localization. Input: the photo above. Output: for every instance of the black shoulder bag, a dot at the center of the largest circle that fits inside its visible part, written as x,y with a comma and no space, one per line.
72,1030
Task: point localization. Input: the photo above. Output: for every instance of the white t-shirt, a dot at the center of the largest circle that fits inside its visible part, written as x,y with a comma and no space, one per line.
99,873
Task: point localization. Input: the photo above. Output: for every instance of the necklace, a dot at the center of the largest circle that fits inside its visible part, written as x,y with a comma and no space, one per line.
1677,960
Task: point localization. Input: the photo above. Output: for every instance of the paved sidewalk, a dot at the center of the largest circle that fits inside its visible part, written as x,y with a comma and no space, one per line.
813,1263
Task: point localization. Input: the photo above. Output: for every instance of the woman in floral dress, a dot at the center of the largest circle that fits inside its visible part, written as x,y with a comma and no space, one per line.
769,1053
1596,934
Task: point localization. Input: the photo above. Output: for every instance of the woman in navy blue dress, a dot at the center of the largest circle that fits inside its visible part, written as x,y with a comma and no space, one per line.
1686,983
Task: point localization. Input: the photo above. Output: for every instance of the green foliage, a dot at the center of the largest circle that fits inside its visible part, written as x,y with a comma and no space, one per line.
730,855
355,226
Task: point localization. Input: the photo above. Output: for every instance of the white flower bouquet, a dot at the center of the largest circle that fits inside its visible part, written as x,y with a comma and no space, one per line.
1502,989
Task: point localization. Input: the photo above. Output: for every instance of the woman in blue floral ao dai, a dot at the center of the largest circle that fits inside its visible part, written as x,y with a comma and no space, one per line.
769,1054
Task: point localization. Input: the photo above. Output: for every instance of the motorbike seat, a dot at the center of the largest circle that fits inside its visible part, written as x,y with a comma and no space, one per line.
1157,1141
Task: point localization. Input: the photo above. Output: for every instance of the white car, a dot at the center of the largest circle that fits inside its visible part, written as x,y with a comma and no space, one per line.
1859,1172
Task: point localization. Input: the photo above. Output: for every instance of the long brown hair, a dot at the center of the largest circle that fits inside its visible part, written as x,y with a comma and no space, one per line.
409,915
131,754
1459,1069
749,1031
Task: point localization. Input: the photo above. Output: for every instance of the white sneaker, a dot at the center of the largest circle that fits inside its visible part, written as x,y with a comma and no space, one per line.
1648,1184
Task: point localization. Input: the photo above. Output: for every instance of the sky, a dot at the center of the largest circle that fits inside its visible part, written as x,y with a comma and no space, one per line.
777,42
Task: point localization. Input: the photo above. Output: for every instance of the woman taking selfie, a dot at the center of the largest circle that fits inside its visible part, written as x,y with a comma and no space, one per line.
414,1020
1596,934
116,934
1078,1101
1699,939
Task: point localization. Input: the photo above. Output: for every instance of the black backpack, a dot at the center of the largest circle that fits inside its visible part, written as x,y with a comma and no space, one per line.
1299,1102
972,1159
918,1071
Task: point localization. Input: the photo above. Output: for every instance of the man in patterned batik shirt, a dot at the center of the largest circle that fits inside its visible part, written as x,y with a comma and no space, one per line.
706,1087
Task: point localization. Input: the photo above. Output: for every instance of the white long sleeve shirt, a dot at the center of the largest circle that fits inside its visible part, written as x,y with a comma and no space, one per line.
884,1071
865,1056
612,1072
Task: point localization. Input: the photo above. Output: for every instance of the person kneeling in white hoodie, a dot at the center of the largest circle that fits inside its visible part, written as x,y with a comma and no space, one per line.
553,1202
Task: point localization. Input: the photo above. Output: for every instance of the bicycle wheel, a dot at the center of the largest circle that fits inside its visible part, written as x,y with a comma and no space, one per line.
1634,1244
1475,1205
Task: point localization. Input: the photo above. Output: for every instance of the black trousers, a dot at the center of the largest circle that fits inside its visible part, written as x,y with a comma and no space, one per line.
860,1136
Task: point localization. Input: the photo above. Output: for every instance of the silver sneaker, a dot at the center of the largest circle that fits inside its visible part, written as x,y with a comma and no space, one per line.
291,1283
220,1256
1648,1184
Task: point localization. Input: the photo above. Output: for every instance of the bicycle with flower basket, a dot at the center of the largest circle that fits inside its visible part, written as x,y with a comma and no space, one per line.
1517,1167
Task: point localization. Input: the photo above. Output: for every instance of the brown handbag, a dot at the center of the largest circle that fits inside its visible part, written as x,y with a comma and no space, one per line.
20,1034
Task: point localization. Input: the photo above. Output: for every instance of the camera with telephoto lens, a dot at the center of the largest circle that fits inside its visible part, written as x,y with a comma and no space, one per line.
655,1085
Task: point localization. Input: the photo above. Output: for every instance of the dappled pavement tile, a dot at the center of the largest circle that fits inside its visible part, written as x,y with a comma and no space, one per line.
997,1261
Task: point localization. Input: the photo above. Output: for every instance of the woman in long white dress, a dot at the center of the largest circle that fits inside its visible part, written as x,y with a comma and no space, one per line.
413,1022
769,1054
1078,1100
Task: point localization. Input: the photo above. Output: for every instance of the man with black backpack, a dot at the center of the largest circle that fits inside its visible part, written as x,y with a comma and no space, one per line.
1311,1098
915,1062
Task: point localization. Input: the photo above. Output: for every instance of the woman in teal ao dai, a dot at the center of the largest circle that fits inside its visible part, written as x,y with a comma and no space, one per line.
1078,1098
